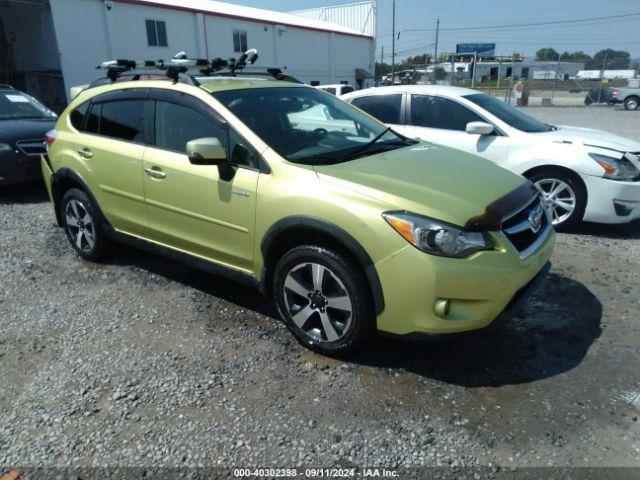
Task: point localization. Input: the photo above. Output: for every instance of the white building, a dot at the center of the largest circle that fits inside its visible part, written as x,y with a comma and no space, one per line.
47,46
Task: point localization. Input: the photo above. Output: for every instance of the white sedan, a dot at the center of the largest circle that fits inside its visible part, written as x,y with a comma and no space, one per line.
583,174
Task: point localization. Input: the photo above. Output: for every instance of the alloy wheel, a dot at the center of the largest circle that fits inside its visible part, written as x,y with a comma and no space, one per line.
318,302
80,225
632,104
559,198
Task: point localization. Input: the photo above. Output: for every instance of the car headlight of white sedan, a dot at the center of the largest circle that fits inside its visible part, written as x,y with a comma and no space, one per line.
617,168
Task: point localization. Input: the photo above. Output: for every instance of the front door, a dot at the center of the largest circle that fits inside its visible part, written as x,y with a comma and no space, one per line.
190,207
442,120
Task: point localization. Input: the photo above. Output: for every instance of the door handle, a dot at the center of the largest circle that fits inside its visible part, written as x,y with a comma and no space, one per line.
155,173
85,152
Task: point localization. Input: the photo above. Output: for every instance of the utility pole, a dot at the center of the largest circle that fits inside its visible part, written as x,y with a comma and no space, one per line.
435,55
381,62
393,42
435,61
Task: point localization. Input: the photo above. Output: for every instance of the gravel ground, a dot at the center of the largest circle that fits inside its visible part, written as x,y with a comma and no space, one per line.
140,361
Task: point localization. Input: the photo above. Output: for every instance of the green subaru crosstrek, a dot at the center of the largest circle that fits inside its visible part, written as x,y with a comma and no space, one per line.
347,225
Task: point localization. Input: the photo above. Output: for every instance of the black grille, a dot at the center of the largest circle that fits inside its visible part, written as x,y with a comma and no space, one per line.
521,228
31,148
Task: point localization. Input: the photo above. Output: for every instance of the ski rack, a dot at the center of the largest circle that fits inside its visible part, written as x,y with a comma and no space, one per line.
178,67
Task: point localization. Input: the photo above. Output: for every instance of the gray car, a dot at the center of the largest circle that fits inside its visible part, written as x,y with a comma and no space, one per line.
629,97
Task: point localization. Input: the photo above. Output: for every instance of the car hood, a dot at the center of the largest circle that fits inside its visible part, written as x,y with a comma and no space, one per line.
592,138
25,129
428,179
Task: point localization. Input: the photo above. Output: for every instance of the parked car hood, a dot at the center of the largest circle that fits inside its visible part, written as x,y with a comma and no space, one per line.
592,138
25,129
428,179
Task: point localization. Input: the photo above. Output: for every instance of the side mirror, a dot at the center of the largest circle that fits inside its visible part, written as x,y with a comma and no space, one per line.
206,151
480,128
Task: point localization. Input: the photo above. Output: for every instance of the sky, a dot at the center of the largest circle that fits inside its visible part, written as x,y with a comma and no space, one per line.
474,21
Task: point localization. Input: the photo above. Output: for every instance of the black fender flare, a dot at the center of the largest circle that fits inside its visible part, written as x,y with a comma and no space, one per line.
336,233
67,174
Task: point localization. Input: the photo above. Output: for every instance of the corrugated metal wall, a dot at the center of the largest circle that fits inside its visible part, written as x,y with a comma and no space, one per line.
359,16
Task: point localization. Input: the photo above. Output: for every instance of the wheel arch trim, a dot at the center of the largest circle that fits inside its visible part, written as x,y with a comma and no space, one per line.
67,174
344,238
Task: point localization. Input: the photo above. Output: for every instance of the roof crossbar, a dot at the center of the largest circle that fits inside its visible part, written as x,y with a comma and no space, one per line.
178,67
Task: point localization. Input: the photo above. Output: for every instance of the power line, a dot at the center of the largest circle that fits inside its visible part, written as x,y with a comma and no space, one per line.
535,24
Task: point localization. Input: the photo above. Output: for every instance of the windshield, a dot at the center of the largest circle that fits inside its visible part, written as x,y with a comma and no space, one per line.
305,125
509,114
15,104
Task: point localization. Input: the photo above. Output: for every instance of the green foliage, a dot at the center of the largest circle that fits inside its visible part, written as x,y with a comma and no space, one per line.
547,54
610,59
440,73
579,56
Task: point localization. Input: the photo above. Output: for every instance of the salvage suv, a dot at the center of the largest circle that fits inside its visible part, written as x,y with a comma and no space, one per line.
348,226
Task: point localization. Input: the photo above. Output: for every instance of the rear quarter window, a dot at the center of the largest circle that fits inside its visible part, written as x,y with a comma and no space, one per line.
78,115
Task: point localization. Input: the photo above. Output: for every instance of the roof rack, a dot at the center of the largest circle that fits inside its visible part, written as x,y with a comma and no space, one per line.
178,67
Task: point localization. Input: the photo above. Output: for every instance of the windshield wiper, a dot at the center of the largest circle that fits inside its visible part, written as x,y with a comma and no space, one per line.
366,146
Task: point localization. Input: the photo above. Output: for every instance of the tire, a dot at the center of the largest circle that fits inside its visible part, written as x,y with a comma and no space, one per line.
631,103
80,219
570,187
588,100
305,305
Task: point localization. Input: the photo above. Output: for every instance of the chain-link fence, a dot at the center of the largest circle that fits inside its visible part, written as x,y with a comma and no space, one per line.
522,81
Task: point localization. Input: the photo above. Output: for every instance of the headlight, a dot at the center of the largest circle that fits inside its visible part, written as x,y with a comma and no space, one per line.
616,168
5,147
435,237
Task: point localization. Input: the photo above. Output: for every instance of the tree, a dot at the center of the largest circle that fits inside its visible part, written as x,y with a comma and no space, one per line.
579,56
547,54
440,73
382,69
610,59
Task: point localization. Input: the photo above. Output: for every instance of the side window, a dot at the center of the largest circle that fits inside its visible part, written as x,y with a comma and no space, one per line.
93,120
385,108
240,152
78,115
346,90
156,33
240,41
175,125
437,112
123,119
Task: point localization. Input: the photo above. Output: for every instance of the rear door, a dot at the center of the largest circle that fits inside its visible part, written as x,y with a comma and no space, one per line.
388,108
110,146
190,207
443,120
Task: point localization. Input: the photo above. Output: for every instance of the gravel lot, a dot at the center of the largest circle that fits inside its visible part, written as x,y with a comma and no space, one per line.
144,362
612,119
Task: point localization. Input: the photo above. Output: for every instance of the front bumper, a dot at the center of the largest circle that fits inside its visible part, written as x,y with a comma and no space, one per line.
480,288
611,201
15,168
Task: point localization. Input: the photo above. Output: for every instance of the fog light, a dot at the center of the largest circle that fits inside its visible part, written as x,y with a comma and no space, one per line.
442,307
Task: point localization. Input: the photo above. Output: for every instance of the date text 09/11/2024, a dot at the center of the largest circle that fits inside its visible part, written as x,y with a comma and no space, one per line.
316,472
